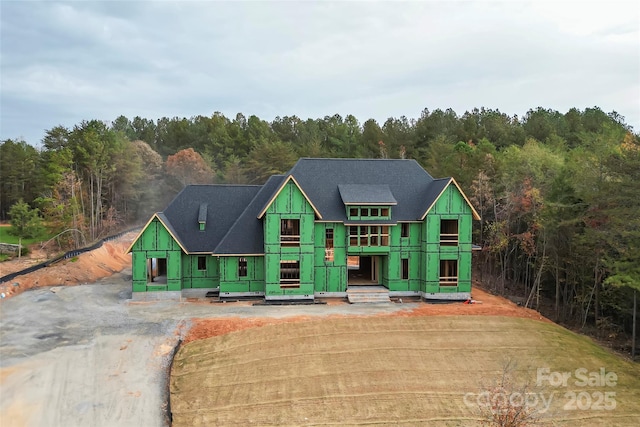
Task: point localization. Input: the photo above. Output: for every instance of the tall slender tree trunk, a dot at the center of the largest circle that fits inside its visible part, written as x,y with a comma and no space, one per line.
92,229
566,305
557,289
82,207
591,296
536,284
481,215
84,211
74,219
503,271
633,328
98,213
596,302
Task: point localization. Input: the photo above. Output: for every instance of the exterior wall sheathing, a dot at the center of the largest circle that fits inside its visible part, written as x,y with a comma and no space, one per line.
290,203
232,283
330,276
450,205
403,248
319,274
194,278
156,242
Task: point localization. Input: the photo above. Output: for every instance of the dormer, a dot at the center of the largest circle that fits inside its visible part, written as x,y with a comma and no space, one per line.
366,202
202,216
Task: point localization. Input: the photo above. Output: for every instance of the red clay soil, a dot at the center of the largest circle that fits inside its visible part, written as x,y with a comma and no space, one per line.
110,258
485,304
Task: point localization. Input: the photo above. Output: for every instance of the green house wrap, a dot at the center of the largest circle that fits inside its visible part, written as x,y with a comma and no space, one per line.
326,226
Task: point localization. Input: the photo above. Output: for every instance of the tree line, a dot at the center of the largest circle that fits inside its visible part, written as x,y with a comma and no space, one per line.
558,192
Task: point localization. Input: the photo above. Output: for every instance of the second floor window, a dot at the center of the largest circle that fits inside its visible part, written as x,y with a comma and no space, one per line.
405,229
290,232
368,213
449,232
328,245
368,235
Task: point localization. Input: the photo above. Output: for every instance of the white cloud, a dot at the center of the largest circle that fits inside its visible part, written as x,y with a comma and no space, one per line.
585,18
373,60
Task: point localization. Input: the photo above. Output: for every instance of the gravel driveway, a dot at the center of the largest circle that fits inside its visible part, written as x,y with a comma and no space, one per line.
89,356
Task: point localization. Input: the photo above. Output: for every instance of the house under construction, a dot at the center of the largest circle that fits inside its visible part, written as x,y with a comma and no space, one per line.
324,228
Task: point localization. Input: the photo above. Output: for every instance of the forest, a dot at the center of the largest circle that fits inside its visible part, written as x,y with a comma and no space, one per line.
558,193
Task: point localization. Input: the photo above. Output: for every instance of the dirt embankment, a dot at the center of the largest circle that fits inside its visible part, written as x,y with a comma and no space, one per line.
88,267
111,258
485,304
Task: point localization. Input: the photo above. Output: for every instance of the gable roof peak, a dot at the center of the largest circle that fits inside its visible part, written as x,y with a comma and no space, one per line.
285,181
221,185
438,187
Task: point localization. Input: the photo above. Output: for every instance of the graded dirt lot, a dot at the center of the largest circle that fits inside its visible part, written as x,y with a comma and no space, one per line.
88,355
392,370
485,305
86,268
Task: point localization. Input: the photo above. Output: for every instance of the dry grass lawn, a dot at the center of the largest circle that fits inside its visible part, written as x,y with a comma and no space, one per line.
388,371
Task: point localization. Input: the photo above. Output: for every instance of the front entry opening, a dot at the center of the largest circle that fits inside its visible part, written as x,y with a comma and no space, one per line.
157,271
363,270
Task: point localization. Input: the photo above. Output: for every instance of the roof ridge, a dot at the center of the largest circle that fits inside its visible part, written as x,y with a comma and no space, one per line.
221,185
352,159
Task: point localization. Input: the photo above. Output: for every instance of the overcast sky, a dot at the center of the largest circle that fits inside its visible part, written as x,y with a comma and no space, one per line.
62,62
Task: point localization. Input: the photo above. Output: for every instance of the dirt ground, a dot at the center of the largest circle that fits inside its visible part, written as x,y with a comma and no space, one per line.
88,355
86,268
388,370
485,305
111,258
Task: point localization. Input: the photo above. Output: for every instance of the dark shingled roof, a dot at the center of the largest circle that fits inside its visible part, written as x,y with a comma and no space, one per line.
434,190
225,203
366,194
407,182
246,235
231,211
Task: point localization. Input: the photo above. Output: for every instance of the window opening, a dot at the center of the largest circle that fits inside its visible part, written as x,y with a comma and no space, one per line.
405,229
353,235
448,272
368,235
290,232
405,268
242,267
364,213
328,244
449,232
202,263
289,274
